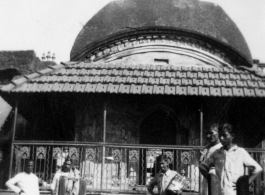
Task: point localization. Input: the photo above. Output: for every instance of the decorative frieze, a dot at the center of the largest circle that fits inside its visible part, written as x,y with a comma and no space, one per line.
175,44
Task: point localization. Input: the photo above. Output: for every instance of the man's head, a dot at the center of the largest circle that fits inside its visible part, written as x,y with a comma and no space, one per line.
67,165
29,166
212,135
227,134
164,163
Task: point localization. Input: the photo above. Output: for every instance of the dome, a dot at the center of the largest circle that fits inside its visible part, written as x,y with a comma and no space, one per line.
196,18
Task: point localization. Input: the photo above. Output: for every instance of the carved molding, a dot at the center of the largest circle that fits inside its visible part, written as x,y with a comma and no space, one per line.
176,45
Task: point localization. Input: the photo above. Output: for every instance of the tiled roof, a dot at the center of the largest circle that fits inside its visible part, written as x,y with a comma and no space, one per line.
140,79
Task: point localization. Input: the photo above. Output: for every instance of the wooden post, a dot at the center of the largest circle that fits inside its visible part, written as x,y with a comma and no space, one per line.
103,147
201,141
12,142
201,126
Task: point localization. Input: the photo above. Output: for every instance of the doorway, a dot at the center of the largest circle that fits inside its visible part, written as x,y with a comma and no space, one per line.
158,128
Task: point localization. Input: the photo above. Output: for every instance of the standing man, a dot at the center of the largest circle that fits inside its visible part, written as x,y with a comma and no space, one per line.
67,181
25,183
230,161
163,178
212,136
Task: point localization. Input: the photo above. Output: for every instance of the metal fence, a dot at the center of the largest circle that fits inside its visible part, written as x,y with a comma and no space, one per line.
117,167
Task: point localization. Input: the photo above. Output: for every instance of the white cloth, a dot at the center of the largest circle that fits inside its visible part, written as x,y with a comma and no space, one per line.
29,183
229,166
56,178
209,151
167,177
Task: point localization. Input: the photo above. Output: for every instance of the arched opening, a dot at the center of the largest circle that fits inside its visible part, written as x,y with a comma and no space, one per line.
158,128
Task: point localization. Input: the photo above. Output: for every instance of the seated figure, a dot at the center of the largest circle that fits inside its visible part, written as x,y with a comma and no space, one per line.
68,181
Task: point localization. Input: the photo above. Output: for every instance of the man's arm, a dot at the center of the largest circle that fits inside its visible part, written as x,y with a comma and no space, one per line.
11,183
250,162
205,166
151,185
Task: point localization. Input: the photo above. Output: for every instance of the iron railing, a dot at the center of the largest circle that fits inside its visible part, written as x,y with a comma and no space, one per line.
123,167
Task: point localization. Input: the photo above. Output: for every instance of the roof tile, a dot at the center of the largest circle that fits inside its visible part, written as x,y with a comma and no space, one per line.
238,92
154,81
181,90
230,83
260,92
214,91
202,75
149,73
142,80
252,83
241,83
158,89
57,87
124,88
245,76
193,90
166,67
226,91
196,69
101,88
249,92
234,76
170,74
223,76
170,90
261,84
136,89
174,81
164,81
208,82
131,80
181,74
147,89
220,83
127,73
197,82
113,88
138,73
39,87
159,74
186,81
47,87
192,75
213,75
91,87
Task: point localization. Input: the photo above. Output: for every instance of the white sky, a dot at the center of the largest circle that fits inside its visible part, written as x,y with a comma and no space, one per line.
52,25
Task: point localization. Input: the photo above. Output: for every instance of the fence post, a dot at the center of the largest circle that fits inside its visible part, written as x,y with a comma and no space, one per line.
12,142
103,147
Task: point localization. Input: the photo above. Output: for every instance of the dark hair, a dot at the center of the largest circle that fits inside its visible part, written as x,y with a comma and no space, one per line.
215,125
29,160
68,159
163,158
228,127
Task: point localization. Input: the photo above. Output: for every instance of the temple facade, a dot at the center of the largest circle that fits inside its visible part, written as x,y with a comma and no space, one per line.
146,77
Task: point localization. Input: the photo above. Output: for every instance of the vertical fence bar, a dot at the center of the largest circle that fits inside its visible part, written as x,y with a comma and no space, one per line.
201,143
13,138
103,147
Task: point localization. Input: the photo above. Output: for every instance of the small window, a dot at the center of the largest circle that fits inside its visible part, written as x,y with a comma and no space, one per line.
161,61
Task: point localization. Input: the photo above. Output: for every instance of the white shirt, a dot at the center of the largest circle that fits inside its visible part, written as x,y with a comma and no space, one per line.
56,178
29,183
229,166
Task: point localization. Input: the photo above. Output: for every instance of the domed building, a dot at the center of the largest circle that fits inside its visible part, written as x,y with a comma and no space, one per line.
146,78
